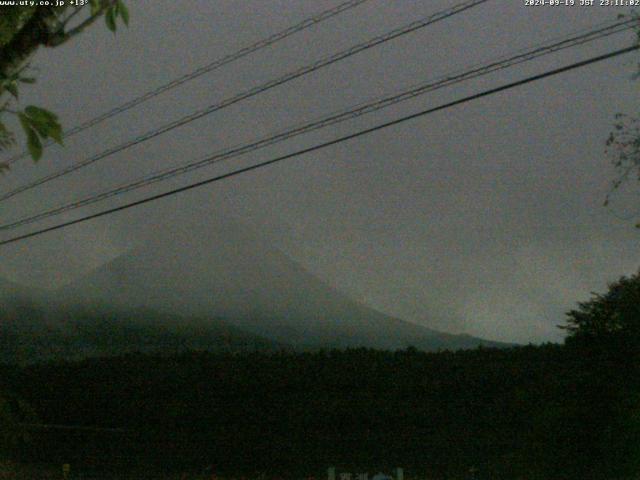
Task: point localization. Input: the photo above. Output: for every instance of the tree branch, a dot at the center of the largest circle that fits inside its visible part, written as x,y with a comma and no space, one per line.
66,36
24,43
66,21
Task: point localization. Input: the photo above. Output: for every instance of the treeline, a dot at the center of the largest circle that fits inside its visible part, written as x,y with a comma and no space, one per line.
36,331
539,412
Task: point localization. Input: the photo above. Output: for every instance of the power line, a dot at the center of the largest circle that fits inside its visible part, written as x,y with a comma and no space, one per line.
409,28
359,110
323,145
220,62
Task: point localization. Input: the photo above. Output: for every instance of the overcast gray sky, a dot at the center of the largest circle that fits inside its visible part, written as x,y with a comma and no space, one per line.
486,218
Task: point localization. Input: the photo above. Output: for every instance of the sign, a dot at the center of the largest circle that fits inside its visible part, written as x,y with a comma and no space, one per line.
333,475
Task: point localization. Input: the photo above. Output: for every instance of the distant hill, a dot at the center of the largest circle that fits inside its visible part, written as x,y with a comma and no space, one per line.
228,272
33,331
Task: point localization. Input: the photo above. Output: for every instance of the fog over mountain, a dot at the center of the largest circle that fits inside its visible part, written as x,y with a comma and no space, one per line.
228,272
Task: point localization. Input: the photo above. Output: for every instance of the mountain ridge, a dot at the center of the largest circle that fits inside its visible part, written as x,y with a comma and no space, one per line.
228,272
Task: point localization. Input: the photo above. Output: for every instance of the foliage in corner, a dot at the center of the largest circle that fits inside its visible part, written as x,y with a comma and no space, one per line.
623,144
623,148
604,337
23,29
39,124
612,318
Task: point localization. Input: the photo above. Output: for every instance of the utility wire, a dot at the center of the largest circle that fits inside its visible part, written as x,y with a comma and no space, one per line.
323,145
220,62
412,27
354,112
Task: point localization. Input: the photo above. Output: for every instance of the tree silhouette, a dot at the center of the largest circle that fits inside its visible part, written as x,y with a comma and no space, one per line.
612,318
604,335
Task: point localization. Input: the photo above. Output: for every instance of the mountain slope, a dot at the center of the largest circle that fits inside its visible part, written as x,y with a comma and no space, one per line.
228,272
32,331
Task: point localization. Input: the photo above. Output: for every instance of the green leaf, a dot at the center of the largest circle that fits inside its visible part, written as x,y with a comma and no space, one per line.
55,132
124,12
33,144
41,129
41,120
39,123
40,113
95,6
110,19
24,121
